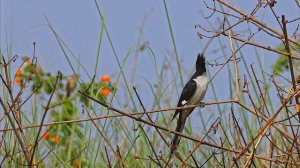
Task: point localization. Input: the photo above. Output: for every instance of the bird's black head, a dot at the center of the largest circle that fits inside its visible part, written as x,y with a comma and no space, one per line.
200,64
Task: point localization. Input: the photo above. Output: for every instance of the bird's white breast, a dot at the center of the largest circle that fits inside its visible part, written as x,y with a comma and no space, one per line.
202,82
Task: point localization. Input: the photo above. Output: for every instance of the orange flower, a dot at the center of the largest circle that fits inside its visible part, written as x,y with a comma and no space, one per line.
55,139
18,81
46,135
105,78
19,72
76,164
105,91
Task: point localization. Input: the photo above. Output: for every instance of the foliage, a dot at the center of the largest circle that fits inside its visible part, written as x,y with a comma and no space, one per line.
281,65
64,107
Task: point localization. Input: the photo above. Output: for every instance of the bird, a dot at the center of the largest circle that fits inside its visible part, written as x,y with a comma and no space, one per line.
71,85
192,94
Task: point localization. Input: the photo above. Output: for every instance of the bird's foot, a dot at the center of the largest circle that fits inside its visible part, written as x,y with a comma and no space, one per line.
201,104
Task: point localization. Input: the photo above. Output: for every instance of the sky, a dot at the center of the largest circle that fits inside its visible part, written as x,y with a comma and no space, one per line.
79,25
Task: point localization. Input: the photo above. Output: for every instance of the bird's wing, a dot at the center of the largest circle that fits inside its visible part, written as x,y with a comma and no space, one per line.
187,93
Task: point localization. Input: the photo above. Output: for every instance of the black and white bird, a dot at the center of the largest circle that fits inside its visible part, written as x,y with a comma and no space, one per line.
192,94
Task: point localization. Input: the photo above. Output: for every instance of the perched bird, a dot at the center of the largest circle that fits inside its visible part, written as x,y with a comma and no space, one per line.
71,85
192,94
26,60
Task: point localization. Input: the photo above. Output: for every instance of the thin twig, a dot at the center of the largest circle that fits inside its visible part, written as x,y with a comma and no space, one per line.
108,161
149,117
255,20
117,115
236,70
21,142
104,137
58,78
287,47
262,131
151,145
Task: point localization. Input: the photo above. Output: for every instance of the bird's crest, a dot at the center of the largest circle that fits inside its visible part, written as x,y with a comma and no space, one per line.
200,63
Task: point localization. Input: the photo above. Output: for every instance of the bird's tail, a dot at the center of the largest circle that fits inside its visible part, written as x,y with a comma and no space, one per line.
176,138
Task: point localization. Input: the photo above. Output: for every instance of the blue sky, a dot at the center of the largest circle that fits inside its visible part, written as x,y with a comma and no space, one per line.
78,24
